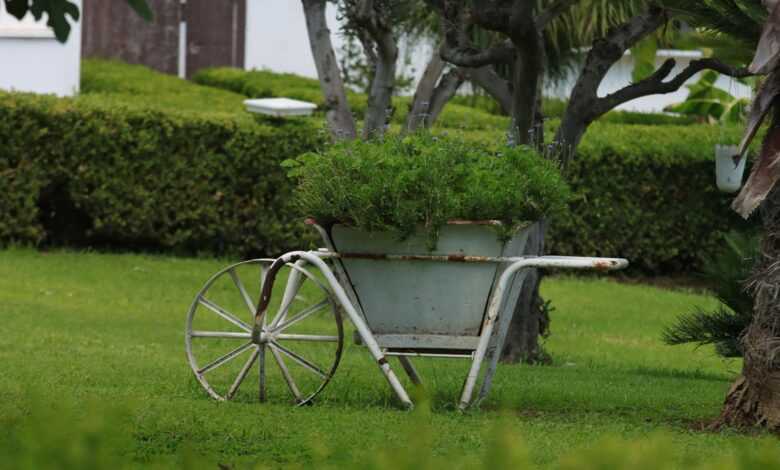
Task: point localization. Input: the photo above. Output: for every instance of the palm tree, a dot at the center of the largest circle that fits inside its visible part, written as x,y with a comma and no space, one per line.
754,398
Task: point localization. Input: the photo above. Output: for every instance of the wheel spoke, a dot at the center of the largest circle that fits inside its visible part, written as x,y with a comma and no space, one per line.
286,374
316,338
221,360
221,334
299,359
244,294
262,281
223,313
261,374
242,375
302,315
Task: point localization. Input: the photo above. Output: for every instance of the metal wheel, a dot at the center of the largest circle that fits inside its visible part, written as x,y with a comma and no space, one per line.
293,354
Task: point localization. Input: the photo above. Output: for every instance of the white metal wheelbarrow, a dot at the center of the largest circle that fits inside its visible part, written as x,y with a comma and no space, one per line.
402,299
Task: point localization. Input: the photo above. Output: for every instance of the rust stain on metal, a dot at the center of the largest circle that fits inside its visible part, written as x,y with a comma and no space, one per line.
603,265
474,222
453,258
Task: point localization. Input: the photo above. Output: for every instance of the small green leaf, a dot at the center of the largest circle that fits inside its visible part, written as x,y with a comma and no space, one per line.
17,8
142,8
644,54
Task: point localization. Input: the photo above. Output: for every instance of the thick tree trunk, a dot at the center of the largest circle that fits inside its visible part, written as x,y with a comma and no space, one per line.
338,113
754,399
530,320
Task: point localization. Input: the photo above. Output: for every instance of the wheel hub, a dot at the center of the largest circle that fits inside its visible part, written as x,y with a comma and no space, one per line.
260,336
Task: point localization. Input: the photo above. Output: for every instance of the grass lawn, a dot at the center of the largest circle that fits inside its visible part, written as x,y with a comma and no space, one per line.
94,373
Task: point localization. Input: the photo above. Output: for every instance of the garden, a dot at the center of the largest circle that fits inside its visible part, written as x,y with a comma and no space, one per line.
353,258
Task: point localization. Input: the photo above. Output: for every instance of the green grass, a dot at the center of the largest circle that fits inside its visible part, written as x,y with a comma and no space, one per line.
94,367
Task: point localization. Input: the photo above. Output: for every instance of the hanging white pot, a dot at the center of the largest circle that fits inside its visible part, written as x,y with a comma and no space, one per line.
729,168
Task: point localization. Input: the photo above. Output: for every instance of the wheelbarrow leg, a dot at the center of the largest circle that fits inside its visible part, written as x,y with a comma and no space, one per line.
499,337
410,370
360,325
496,301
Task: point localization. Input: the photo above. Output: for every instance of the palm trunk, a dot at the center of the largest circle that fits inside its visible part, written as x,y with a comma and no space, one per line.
754,399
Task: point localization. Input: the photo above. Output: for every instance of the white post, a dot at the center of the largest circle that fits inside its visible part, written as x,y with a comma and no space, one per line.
183,41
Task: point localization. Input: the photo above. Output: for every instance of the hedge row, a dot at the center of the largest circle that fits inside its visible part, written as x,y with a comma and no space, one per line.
646,193
77,173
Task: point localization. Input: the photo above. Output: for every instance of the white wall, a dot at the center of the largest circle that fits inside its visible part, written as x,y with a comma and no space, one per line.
276,39
31,59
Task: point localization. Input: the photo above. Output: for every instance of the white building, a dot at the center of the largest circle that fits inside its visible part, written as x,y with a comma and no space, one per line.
31,59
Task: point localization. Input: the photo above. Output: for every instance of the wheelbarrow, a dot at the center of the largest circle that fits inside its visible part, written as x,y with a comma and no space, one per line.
403,300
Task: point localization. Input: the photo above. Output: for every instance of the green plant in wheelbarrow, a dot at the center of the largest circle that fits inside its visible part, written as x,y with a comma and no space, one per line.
726,273
417,184
423,240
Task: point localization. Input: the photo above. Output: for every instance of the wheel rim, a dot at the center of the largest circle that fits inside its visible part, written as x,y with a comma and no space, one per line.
299,346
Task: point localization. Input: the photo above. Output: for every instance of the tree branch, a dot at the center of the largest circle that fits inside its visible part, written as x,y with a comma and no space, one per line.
552,12
466,56
487,79
655,84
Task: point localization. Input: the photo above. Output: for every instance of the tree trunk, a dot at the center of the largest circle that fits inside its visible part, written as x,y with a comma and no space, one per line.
337,110
530,320
754,399
423,95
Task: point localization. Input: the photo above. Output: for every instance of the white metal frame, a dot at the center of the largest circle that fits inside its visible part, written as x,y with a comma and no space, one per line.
345,296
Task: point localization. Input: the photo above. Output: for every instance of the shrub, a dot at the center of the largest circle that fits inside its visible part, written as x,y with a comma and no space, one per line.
646,193
264,84
399,184
726,274
141,178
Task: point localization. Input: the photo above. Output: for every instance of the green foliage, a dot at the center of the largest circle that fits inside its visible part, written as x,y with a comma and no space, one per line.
710,103
741,20
399,184
113,83
646,193
113,173
58,11
644,53
726,273
265,84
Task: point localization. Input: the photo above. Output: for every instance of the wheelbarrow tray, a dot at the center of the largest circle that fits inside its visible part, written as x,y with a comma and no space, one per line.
412,304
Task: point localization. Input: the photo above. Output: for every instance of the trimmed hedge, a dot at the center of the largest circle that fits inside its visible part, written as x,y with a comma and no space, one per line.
80,174
646,193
